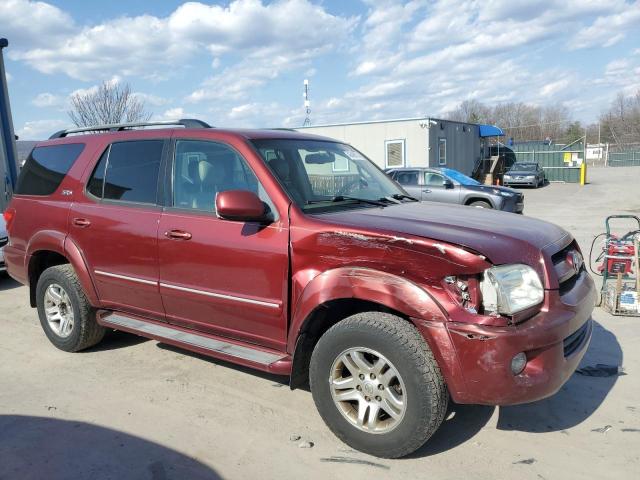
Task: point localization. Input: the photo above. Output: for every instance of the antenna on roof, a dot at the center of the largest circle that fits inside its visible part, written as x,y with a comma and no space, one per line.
307,104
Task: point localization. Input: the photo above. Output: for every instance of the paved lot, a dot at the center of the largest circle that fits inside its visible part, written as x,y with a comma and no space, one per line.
132,408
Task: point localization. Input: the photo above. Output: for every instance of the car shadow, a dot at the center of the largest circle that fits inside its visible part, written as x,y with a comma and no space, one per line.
115,339
577,399
38,447
8,283
462,423
280,380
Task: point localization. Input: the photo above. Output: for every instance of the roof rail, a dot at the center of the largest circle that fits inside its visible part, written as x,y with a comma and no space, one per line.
118,127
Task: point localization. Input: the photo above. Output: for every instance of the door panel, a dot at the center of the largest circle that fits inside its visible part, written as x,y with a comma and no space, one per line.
228,278
120,247
433,189
225,277
115,225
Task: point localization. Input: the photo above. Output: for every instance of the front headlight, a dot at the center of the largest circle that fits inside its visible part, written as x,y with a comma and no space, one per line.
507,177
506,194
509,289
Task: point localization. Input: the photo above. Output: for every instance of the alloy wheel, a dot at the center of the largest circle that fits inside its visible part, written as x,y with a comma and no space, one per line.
368,390
58,310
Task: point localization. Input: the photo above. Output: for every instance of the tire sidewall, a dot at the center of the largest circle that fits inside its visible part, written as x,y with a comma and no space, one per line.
417,414
49,277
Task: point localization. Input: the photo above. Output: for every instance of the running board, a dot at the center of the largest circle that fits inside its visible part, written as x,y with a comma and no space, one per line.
210,345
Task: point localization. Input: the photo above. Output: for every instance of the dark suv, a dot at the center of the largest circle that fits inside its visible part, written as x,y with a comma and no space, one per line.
294,254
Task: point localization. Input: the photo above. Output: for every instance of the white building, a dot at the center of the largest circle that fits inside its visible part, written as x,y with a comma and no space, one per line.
415,142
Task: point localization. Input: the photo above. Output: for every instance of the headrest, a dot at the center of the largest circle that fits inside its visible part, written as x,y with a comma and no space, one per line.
281,167
205,171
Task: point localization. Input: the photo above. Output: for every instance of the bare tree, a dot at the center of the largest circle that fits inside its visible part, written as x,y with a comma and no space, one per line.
518,120
621,122
110,102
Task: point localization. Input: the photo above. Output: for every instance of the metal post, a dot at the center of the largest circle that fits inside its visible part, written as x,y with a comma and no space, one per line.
8,167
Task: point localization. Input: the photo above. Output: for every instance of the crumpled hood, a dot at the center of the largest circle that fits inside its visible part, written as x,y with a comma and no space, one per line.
500,236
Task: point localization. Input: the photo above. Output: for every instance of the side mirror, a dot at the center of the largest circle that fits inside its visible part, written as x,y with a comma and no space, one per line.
241,205
447,183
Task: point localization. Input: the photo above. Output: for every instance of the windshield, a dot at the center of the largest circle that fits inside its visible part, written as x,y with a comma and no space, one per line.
524,167
321,175
461,178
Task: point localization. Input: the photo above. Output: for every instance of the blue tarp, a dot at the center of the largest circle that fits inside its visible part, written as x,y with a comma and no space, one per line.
490,131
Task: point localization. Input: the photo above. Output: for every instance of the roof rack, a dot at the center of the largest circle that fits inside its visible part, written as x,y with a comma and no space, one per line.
118,127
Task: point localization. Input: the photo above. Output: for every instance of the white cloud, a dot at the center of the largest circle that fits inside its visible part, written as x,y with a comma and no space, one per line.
36,24
607,30
147,45
47,99
552,88
150,99
40,129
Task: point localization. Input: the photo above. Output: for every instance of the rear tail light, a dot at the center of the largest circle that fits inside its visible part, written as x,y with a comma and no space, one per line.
9,214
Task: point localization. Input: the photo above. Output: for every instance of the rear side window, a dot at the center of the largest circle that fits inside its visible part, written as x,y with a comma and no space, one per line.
128,171
45,168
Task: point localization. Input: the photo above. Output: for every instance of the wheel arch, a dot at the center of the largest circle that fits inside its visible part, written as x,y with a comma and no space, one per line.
337,294
43,255
478,198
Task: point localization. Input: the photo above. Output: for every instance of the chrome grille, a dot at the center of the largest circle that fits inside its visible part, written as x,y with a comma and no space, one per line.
568,264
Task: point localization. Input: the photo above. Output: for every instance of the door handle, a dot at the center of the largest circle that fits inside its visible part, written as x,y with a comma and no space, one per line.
178,235
426,190
81,222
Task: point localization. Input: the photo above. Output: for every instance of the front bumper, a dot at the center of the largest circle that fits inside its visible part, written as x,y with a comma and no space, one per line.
524,182
478,358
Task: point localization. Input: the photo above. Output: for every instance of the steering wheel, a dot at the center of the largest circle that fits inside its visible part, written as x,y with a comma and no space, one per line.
349,185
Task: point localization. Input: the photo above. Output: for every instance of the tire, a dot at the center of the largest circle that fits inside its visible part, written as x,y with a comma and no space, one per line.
480,204
422,389
83,330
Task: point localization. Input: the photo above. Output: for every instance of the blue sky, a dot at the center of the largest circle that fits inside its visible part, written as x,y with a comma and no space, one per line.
242,63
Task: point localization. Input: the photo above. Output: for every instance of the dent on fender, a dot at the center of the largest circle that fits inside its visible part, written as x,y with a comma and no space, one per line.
382,269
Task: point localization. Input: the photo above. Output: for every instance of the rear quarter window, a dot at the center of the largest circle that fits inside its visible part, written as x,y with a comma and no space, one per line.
46,167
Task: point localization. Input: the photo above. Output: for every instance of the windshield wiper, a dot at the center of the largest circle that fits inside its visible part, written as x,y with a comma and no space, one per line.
402,196
342,198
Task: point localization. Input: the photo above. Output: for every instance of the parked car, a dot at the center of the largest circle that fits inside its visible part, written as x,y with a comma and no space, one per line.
450,186
524,174
4,239
294,254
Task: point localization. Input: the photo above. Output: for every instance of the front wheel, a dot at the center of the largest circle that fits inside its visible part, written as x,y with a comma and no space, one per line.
377,385
480,204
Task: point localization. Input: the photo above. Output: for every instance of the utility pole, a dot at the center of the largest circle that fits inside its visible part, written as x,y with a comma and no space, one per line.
307,104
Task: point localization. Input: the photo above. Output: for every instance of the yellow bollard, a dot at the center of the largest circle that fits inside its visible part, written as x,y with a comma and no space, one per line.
583,173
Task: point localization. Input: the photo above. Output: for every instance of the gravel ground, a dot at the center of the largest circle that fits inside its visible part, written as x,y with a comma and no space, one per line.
133,408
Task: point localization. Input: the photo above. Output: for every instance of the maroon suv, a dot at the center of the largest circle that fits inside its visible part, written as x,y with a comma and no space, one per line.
296,255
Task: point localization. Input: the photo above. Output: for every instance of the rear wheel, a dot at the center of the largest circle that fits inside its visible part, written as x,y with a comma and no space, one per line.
66,316
480,204
376,384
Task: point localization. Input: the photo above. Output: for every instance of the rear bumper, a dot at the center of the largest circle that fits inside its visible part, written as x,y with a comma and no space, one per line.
479,357
14,261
